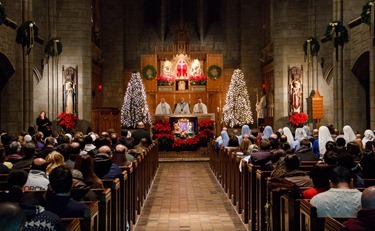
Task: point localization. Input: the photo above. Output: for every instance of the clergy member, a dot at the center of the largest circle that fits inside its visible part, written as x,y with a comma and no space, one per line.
200,108
163,107
182,107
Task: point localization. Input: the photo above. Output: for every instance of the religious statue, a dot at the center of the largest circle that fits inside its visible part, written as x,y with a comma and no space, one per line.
69,90
167,68
296,101
261,108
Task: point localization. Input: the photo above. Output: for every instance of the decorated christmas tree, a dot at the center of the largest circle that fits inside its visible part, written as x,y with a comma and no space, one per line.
237,109
135,107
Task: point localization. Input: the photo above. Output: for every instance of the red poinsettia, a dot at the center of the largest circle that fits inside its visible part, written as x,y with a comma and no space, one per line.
165,80
198,80
190,144
298,119
67,120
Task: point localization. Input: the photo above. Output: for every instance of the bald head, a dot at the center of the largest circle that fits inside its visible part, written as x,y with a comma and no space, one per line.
140,125
121,148
39,164
105,149
368,198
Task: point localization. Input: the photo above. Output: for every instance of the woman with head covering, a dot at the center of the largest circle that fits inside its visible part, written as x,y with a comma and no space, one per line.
245,130
349,134
267,132
288,133
225,138
300,134
368,136
323,138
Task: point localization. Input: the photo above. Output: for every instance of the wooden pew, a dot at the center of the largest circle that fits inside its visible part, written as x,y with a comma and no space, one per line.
70,224
332,224
309,219
369,182
114,185
4,177
252,195
261,195
90,220
289,211
105,208
244,192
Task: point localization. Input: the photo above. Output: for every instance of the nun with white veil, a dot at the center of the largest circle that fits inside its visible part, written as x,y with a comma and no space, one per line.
289,135
225,139
267,132
368,136
323,138
300,134
349,134
244,130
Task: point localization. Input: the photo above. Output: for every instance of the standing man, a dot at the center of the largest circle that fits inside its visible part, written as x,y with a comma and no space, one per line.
182,107
163,107
261,108
200,108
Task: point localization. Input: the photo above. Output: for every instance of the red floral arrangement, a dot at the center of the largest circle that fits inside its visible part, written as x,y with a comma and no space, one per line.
198,80
298,119
165,80
190,144
162,131
67,120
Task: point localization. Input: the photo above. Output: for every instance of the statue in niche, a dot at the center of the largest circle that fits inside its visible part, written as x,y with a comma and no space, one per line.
69,91
296,90
167,69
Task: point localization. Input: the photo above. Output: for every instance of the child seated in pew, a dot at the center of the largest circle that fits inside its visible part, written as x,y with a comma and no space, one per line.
341,200
320,180
58,198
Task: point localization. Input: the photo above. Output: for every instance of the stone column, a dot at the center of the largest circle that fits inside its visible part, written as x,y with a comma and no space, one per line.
372,68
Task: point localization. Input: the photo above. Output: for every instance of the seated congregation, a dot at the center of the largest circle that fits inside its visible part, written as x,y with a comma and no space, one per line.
75,181
302,181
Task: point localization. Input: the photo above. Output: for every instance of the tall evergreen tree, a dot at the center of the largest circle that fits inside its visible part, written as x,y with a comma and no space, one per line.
135,107
237,109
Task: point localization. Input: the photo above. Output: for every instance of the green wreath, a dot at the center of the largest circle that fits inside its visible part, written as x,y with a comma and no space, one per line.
149,72
365,16
342,33
214,72
51,47
314,48
23,32
3,14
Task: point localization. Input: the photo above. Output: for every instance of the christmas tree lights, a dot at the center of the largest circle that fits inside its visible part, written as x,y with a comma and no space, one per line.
135,107
237,109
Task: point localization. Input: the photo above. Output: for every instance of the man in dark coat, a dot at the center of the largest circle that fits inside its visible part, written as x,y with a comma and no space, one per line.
140,133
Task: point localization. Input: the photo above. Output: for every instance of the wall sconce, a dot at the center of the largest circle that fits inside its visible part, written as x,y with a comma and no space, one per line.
100,87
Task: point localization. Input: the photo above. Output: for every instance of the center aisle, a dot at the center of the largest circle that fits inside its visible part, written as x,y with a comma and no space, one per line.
186,196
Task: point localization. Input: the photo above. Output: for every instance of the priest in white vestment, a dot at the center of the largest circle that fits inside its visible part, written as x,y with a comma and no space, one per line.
163,107
200,108
182,107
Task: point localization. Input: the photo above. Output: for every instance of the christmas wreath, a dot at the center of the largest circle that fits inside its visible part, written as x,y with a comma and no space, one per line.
214,72
365,15
3,14
341,33
149,72
314,46
27,33
53,47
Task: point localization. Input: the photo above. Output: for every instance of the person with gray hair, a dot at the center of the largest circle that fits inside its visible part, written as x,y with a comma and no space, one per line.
14,152
366,215
28,156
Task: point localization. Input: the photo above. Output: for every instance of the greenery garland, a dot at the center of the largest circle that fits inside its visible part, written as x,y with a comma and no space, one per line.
149,72
365,15
50,47
214,72
23,33
3,14
314,48
342,33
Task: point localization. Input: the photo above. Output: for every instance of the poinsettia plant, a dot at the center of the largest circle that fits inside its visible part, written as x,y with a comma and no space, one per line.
298,119
162,131
165,80
198,80
190,144
67,120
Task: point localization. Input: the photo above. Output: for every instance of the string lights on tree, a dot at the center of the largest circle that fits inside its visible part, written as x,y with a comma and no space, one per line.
135,107
237,109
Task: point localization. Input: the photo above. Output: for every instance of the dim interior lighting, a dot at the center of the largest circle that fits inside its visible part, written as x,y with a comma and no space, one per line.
100,87
264,85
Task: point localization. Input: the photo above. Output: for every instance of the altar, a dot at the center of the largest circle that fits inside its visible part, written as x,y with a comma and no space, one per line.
184,125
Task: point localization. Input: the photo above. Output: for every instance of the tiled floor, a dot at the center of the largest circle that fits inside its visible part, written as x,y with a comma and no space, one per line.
186,196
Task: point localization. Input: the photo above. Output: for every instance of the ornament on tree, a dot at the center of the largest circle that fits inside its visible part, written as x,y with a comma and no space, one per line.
237,109
135,107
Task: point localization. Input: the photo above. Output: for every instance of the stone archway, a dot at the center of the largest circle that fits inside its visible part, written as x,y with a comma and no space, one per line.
361,70
6,70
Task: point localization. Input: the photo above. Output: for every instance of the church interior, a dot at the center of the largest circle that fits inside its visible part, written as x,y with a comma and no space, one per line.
315,57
